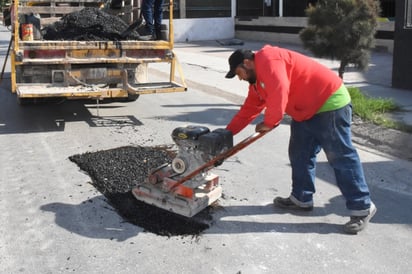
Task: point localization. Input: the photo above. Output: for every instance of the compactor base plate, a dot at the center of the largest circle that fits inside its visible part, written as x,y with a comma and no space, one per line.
176,203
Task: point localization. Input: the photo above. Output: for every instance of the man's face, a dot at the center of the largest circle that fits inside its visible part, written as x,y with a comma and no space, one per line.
245,72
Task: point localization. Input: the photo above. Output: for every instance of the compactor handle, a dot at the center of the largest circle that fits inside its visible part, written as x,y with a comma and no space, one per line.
223,156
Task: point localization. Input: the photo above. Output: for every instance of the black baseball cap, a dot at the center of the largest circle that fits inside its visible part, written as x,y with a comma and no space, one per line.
236,59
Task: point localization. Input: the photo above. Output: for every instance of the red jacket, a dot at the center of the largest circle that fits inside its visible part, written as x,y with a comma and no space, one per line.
287,82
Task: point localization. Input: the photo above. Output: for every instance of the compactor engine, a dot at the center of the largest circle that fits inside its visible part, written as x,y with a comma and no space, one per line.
198,145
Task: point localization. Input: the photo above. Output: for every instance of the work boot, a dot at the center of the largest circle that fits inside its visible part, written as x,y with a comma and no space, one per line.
146,34
358,223
287,203
147,38
159,34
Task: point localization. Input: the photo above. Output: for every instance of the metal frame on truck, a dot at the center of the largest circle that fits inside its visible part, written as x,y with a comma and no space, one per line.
87,69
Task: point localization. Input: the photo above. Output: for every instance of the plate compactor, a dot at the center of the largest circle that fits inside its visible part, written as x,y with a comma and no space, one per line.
186,185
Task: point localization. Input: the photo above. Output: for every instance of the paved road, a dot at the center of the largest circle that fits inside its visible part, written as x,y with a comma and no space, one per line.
53,221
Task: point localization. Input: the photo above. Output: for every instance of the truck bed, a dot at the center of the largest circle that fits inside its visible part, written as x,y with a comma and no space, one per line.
88,69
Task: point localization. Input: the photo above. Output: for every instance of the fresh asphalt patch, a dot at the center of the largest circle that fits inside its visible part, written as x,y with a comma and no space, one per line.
115,172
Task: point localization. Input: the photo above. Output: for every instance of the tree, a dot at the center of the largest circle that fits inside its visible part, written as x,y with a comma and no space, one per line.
342,30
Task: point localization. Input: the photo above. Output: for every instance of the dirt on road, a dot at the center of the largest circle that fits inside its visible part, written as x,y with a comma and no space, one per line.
390,141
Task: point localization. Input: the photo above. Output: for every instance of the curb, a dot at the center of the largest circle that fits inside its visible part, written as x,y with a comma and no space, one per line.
390,141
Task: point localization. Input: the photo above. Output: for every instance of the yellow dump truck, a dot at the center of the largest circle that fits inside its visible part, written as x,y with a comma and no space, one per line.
94,69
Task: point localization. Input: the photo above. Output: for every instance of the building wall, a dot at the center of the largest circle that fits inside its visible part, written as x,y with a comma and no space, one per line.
186,30
286,29
204,27
269,28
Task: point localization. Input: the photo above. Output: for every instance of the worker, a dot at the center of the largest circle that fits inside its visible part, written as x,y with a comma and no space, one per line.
283,81
152,13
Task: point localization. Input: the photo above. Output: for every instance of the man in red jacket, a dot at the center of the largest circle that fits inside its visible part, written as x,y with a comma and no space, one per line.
286,82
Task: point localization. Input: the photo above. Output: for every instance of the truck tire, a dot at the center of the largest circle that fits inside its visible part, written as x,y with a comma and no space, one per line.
132,98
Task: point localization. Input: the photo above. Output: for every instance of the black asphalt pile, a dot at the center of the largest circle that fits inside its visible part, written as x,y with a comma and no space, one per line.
88,24
116,171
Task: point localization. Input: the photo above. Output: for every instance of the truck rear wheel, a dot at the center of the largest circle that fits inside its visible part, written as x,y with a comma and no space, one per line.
132,98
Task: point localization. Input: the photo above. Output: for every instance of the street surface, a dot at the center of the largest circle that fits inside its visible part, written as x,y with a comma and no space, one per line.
54,221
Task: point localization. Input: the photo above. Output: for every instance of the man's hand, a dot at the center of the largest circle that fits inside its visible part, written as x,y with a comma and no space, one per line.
261,127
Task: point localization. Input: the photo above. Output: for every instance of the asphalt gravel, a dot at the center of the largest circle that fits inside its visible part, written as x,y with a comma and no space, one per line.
115,172
88,24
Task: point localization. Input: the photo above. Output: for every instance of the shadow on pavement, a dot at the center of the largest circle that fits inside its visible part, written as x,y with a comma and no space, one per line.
92,218
389,191
216,114
392,209
53,116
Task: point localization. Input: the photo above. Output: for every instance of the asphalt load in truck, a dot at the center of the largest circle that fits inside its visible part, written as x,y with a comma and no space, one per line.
88,24
115,172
